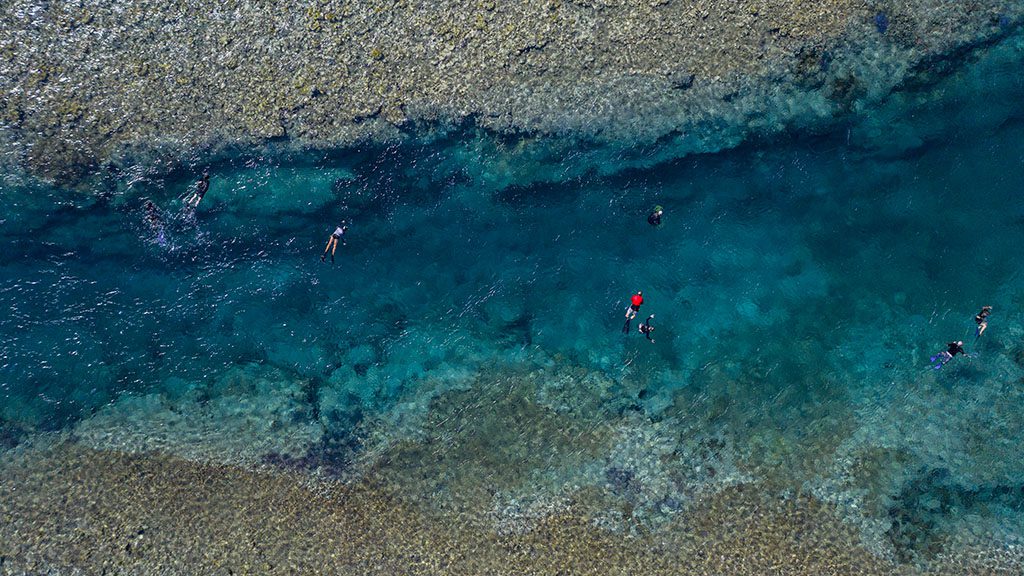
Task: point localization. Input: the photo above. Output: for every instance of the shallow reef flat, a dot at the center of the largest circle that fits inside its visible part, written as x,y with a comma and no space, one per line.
509,454
87,84
72,509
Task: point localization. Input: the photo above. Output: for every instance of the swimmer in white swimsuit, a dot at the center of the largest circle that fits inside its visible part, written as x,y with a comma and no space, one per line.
332,242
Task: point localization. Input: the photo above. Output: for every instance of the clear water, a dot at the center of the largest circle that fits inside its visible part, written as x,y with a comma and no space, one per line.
799,287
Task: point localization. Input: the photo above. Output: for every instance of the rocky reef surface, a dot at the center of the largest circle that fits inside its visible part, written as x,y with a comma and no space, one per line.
90,84
510,451
73,510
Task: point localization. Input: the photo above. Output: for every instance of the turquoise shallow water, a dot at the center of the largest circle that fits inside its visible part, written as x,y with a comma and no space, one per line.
799,287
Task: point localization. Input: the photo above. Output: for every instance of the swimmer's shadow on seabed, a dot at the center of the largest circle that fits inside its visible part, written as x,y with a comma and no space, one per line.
959,371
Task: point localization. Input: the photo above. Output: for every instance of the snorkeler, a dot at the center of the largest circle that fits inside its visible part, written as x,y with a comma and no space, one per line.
332,242
654,219
634,306
952,349
152,215
202,186
155,222
646,328
982,320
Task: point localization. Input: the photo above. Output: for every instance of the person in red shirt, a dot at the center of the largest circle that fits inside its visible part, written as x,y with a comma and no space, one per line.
635,301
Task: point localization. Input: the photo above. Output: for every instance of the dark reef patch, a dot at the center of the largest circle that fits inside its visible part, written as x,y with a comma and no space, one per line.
926,510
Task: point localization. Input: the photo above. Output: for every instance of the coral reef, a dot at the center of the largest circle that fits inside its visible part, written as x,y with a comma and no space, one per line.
75,509
241,417
132,82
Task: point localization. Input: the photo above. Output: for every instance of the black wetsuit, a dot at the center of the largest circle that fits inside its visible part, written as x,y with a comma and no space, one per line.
202,186
954,348
646,328
654,219
982,316
153,216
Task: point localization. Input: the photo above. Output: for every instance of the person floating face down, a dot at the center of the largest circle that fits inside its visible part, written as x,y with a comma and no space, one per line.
654,218
202,186
634,306
646,329
981,319
155,222
332,242
153,219
952,349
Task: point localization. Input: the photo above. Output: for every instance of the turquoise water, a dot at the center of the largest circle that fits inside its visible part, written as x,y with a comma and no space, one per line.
799,286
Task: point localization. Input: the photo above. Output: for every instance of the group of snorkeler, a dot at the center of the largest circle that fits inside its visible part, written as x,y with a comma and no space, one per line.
195,195
636,300
937,361
957,347
645,328
191,200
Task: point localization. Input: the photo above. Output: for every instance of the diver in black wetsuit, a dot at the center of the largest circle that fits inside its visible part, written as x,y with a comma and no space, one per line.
654,219
981,319
202,186
155,222
952,349
152,215
646,328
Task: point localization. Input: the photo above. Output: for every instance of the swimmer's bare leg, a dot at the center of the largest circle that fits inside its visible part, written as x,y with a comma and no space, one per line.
323,257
